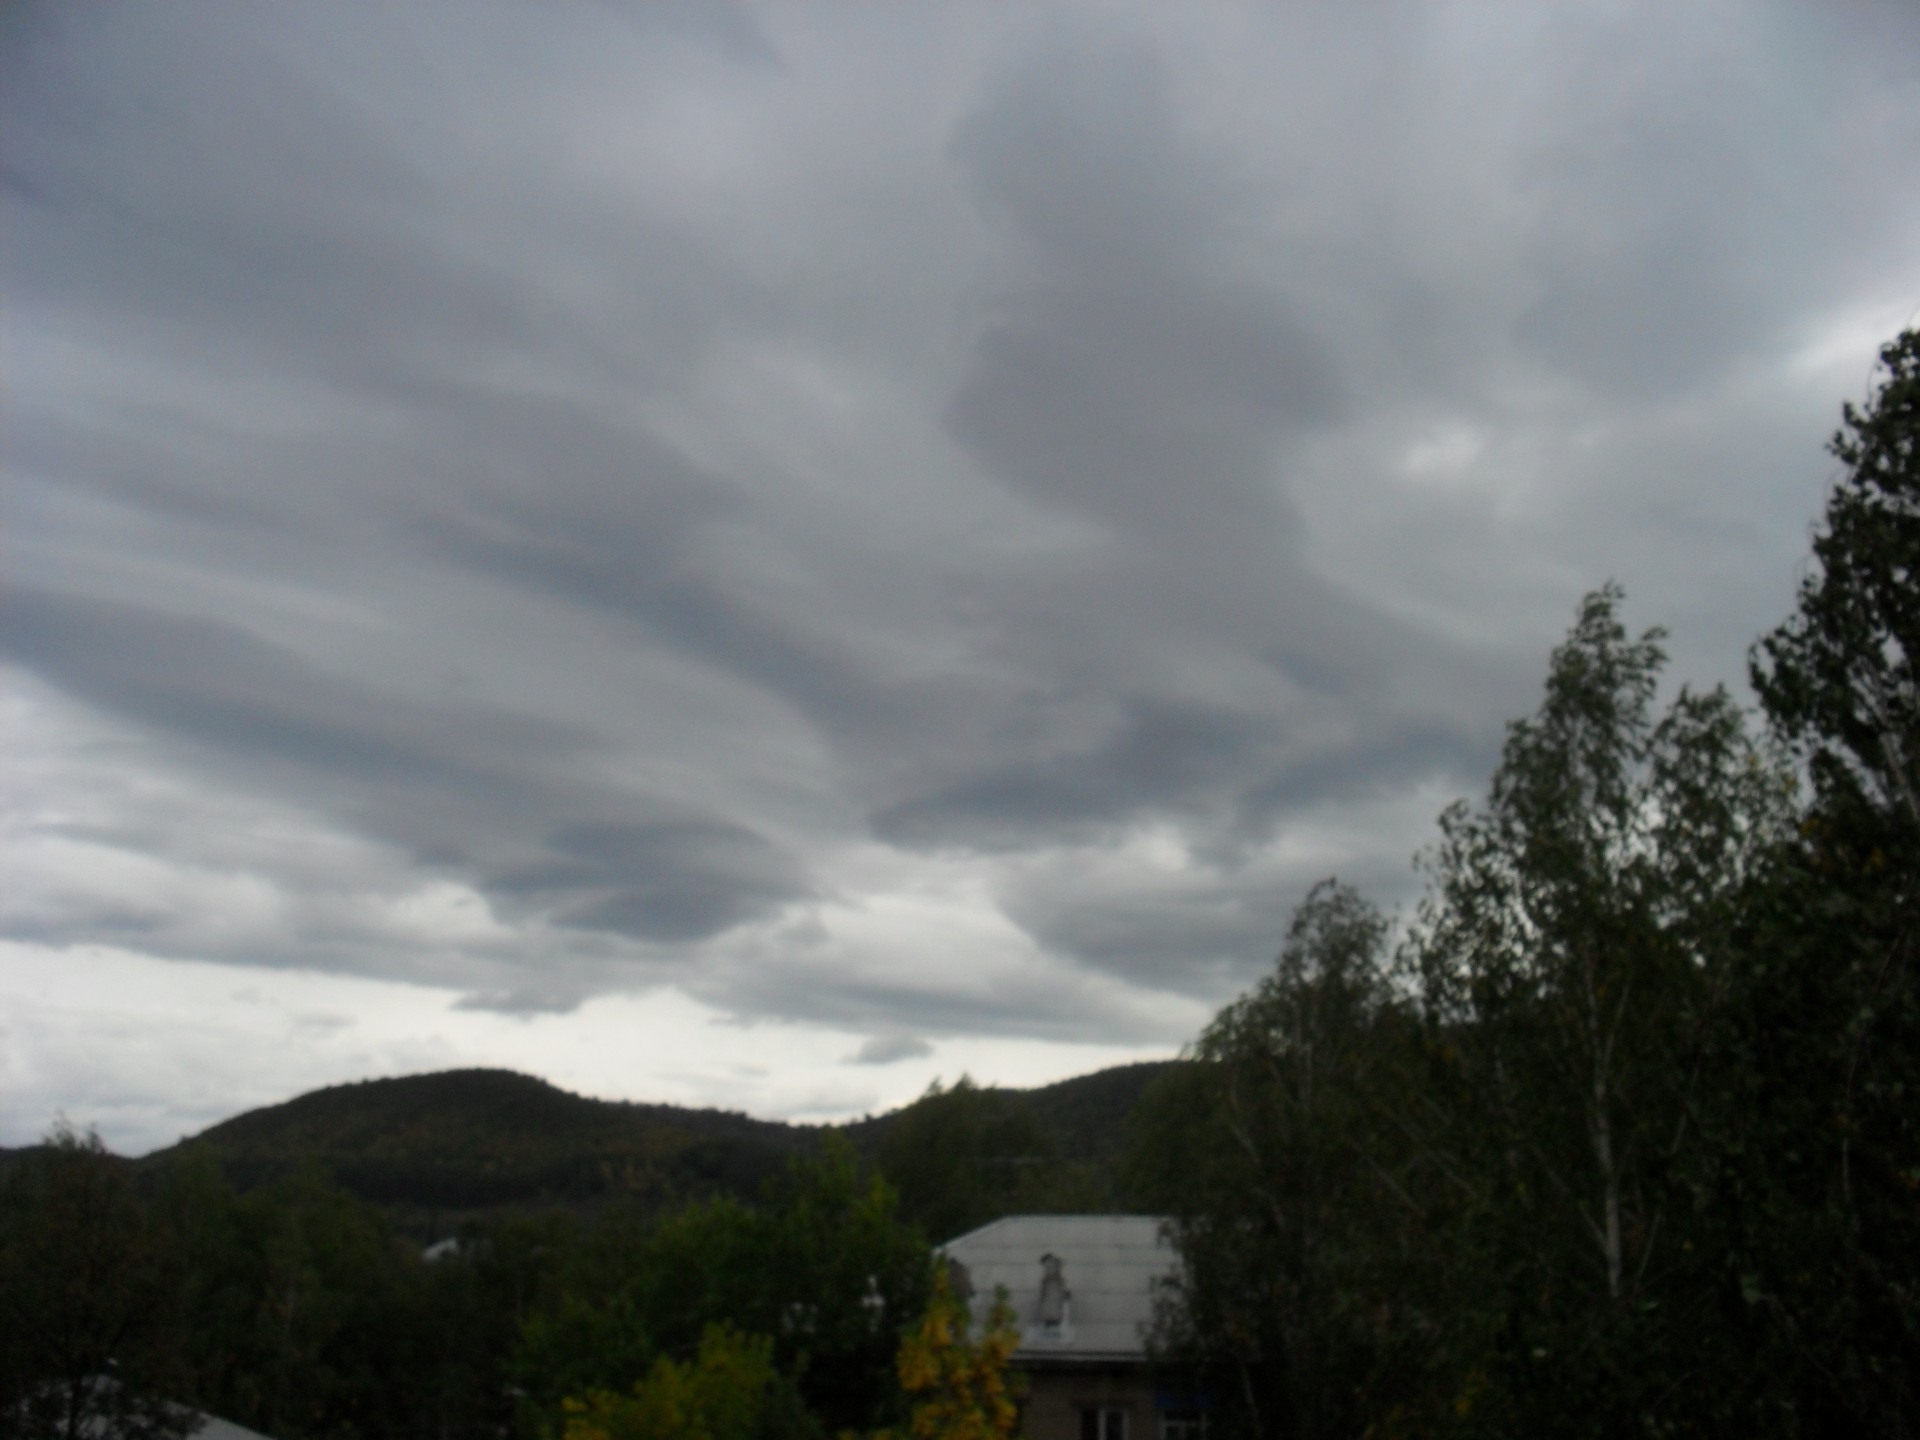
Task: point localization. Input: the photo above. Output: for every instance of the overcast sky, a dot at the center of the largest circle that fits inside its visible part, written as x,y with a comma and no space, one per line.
758,555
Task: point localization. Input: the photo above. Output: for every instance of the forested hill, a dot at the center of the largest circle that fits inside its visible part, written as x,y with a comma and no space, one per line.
472,1140
433,1148
1083,1118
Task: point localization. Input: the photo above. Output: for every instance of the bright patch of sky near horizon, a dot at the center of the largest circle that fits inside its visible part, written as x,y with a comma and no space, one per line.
256,1040
757,555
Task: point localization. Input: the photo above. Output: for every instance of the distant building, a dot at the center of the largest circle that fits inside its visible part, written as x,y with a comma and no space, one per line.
1082,1289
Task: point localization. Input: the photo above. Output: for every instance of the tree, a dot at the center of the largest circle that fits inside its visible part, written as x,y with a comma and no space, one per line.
822,1268
849,1277
729,1390
88,1313
1571,954
1452,1192
1576,915
1838,679
960,1387
963,1155
1299,1204
1827,1044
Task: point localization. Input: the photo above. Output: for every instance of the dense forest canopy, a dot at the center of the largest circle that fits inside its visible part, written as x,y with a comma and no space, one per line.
1618,1136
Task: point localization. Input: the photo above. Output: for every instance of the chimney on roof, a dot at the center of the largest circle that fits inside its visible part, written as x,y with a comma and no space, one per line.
1056,1301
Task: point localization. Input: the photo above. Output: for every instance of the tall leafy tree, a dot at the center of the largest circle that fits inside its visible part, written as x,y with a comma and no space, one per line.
1458,1192
1824,1214
1299,1199
1571,954
1838,679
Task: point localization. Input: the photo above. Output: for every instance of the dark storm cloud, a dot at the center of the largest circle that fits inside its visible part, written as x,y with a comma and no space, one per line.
1078,143
1160,756
215,684
1159,424
1688,193
1382,758
1199,943
727,25
186,182
1176,760
689,477
160,480
1038,1002
1125,382
203,176
889,1050
668,881
636,550
397,766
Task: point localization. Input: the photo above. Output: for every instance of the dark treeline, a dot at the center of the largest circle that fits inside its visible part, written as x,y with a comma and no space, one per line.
1623,1136
229,1276
297,1310
1619,1136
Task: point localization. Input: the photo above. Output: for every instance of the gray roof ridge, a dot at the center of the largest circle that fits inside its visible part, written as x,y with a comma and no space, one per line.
1047,1215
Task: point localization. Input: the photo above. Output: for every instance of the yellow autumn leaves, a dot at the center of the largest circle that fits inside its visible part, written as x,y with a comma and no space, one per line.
960,1388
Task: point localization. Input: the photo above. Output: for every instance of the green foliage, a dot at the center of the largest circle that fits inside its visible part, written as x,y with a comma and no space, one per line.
1302,1211
1838,679
295,1310
309,1317
1816,1151
467,1147
295,1307
964,1155
1572,957
823,1267
729,1390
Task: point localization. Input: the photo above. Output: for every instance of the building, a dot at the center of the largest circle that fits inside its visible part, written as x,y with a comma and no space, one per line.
91,1401
1082,1288
212,1427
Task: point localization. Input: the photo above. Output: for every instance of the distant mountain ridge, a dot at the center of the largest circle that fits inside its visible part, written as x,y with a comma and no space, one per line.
437,1147
475,1140
1085,1116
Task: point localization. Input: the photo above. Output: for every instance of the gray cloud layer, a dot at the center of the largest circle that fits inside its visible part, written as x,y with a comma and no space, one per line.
565,499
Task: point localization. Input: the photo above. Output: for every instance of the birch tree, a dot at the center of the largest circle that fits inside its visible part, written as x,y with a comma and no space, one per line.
1301,1208
1571,955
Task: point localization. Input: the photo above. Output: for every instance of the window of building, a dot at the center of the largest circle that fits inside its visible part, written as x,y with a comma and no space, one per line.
1183,1425
1103,1422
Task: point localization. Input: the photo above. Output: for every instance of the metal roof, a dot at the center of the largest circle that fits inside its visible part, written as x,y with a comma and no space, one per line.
212,1427
1111,1264
200,1425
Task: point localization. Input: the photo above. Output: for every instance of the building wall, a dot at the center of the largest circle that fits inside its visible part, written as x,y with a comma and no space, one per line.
1056,1398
